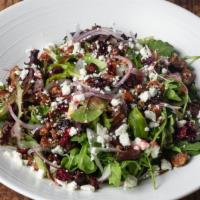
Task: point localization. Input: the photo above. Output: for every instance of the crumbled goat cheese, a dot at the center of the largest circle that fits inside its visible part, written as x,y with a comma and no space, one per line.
146,129
54,105
165,165
65,88
102,135
109,48
23,74
142,144
153,76
58,150
83,72
107,89
130,182
79,97
115,102
164,70
150,115
145,53
77,48
144,96
72,186
73,131
102,58
153,124
181,123
124,139
153,91
153,151
120,47
123,135
89,188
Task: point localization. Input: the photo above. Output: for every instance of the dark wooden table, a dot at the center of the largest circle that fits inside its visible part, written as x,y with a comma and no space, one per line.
8,194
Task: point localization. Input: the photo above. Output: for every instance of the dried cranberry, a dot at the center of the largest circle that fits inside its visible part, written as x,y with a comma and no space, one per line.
112,68
65,138
97,82
22,151
102,50
56,70
194,108
91,68
130,82
62,175
187,132
80,178
93,181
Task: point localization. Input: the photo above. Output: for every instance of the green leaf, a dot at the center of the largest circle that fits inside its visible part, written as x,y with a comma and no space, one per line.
84,161
107,121
70,162
172,95
137,123
130,167
82,138
27,142
88,113
40,164
89,58
115,177
162,48
190,148
135,58
37,113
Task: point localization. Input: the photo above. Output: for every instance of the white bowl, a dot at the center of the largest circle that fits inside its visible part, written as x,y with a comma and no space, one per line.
34,23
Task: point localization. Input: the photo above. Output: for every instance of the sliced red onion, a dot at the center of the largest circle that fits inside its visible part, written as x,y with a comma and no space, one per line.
23,124
176,76
45,160
105,175
129,71
16,131
95,32
174,108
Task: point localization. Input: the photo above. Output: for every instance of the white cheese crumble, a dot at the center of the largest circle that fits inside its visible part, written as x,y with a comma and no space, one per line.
72,186
89,188
181,123
120,47
150,115
153,151
77,48
109,48
164,70
115,102
145,52
73,131
54,105
78,97
58,150
142,144
153,76
23,74
144,96
146,129
102,135
153,124
153,91
130,182
123,135
165,165
65,88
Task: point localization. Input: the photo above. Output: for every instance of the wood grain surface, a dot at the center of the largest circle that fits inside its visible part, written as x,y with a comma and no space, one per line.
8,194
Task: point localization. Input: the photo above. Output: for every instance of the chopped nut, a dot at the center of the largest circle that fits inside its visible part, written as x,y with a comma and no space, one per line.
179,159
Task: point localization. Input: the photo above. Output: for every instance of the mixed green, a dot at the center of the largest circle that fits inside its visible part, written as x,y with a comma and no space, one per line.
102,107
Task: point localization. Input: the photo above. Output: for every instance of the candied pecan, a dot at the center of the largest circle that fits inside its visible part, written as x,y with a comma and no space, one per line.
187,76
118,117
156,109
30,160
112,67
6,132
176,63
131,82
55,91
179,159
43,131
91,68
44,142
54,134
44,56
127,96
33,58
13,77
42,98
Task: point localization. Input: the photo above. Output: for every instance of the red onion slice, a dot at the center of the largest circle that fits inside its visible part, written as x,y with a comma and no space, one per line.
23,124
129,71
45,160
16,131
95,32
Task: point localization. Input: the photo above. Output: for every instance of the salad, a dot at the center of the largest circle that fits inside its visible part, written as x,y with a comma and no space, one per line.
101,107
